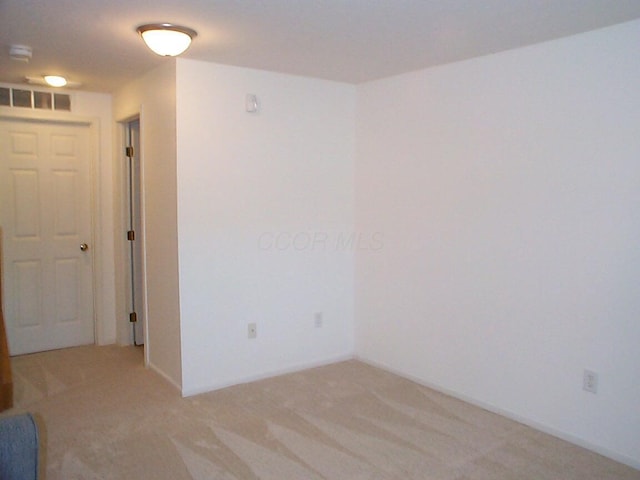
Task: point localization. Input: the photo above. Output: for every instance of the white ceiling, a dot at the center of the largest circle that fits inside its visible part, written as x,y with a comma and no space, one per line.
94,41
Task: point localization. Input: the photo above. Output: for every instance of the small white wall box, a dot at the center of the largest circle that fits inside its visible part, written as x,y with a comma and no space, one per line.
251,103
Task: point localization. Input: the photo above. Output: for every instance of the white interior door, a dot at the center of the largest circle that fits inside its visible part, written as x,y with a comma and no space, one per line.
45,215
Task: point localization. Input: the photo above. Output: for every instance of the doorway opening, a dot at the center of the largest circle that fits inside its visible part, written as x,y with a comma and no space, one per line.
136,300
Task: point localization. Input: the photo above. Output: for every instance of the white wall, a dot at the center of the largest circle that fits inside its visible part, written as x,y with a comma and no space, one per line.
508,190
262,202
153,97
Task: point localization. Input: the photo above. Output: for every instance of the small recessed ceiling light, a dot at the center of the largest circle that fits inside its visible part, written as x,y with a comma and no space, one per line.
55,80
166,39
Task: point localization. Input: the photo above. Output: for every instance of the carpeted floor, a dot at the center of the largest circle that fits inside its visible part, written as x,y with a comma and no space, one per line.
104,416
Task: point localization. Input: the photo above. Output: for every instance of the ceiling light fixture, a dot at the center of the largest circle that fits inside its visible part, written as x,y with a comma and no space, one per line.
55,80
52,81
166,39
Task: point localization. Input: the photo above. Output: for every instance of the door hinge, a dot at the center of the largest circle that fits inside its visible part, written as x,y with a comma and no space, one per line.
133,317
129,152
131,235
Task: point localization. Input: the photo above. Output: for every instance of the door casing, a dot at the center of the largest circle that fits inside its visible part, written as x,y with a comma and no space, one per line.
136,271
122,246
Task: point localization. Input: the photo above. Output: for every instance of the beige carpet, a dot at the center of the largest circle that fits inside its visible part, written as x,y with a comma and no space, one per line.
104,416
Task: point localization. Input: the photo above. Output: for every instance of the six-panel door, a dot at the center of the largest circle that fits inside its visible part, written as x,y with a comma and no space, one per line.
45,214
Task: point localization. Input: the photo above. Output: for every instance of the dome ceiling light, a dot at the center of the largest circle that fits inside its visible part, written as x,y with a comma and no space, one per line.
166,39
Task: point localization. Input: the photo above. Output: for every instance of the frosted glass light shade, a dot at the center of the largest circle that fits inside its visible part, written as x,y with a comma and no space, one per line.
55,80
166,39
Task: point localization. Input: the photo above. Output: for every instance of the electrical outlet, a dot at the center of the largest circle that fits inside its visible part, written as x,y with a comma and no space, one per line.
590,381
317,320
252,331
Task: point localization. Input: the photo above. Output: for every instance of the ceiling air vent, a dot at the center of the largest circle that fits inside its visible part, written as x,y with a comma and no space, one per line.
20,98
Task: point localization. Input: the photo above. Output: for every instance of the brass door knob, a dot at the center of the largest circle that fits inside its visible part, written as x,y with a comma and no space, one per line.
84,247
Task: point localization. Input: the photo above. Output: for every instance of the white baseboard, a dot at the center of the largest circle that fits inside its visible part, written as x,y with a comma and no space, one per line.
618,457
271,373
164,375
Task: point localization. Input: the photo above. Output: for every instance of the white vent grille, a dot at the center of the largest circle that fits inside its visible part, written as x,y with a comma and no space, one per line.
23,98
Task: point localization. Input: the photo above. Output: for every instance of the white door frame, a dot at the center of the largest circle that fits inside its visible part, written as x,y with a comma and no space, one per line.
97,240
121,225
138,186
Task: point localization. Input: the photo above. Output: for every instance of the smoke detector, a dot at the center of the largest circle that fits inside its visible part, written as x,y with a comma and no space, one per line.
21,53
